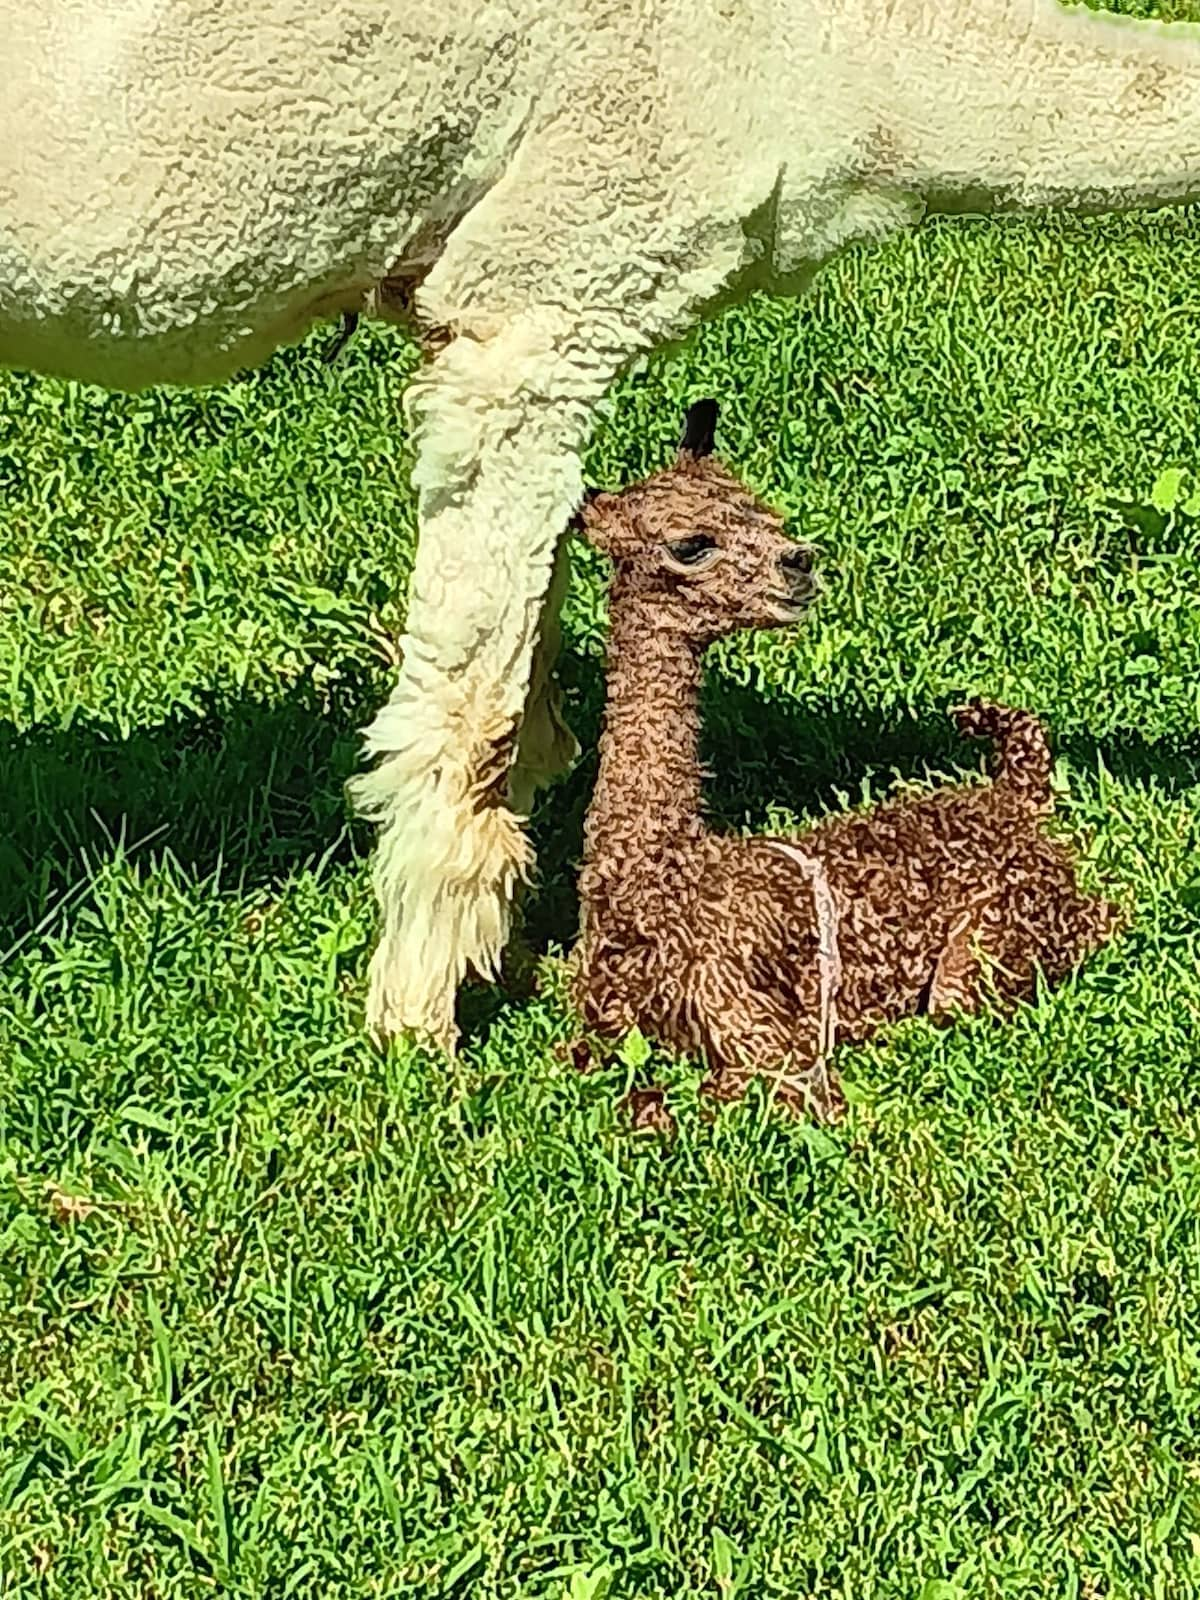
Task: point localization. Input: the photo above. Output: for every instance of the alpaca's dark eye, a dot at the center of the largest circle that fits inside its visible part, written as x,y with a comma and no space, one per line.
690,552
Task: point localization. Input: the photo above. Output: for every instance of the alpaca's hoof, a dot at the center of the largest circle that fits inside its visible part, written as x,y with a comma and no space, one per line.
401,1012
390,1030
648,1112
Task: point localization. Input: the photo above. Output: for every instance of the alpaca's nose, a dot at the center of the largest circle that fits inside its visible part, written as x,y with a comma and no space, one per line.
798,562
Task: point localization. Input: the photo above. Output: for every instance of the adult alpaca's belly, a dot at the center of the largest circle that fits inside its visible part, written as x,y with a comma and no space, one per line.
187,187
180,331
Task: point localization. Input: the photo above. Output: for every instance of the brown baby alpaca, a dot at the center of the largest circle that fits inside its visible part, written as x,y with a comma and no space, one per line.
761,953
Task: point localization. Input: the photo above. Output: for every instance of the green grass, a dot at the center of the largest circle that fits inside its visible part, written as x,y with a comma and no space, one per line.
279,1316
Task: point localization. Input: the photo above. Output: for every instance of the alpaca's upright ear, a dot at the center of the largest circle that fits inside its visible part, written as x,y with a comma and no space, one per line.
699,430
602,521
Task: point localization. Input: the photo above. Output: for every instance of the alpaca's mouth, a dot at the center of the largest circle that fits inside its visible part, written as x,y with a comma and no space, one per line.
789,607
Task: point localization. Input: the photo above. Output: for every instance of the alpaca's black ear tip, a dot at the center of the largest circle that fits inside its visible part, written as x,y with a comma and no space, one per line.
700,429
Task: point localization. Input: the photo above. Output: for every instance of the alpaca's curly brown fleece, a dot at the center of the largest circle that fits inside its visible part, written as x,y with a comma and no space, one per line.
715,944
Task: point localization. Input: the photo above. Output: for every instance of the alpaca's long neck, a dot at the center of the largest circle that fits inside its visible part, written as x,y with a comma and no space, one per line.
1020,104
649,782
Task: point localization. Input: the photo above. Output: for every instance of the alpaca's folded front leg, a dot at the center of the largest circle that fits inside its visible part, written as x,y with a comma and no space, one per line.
805,1086
749,1035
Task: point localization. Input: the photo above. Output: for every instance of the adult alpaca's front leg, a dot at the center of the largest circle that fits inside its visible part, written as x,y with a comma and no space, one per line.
498,475
546,747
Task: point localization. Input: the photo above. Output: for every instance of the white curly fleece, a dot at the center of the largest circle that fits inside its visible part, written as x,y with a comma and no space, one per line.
186,184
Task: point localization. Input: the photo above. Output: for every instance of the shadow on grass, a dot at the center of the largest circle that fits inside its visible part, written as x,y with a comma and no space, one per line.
251,791
255,792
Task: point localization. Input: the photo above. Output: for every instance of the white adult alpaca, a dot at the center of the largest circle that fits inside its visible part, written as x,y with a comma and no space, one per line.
187,184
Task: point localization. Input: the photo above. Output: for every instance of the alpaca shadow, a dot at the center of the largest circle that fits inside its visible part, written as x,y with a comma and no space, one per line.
250,791
1173,766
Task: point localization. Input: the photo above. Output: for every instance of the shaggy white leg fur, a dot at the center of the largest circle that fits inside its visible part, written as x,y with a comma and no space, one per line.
498,477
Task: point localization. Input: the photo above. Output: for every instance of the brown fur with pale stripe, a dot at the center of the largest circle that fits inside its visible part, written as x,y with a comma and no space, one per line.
712,943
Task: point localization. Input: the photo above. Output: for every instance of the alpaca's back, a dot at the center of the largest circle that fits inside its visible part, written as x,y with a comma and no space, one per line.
174,178
973,861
